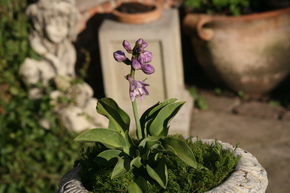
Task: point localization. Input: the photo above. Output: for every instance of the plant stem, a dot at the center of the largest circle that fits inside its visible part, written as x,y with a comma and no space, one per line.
135,112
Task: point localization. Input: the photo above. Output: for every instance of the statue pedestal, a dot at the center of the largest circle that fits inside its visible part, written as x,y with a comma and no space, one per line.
163,37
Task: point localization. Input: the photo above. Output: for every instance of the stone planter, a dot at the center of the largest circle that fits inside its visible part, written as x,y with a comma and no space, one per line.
246,53
249,176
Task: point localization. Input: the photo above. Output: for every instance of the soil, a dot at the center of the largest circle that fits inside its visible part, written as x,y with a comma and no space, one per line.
135,8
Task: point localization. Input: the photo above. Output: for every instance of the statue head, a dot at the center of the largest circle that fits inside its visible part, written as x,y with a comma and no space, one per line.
54,19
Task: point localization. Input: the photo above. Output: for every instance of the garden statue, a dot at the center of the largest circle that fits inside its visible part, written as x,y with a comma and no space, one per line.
54,26
53,30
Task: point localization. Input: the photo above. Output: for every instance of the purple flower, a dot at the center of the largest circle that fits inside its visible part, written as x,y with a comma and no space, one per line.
148,69
140,57
136,64
127,46
119,56
137,88
140,45
145,57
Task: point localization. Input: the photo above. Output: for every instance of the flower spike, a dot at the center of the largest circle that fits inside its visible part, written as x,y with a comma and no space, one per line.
137,88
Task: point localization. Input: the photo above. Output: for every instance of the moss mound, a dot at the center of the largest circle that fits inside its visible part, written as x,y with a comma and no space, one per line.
96,171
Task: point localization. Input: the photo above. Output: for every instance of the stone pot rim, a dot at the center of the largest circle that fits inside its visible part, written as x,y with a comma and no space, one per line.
140,18
248,176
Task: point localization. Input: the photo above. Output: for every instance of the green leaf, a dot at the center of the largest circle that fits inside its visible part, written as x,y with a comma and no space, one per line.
109,154
118,118
105,136
136,162
139,185
121,167
180,149
148,116
153,110
150,140
134,188
159,125
159,174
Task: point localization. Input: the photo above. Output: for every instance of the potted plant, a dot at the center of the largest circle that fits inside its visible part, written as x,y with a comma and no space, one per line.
135,12
154,161
244,50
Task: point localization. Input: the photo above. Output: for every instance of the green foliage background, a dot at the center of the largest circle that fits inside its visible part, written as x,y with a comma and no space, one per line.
32,159
228,7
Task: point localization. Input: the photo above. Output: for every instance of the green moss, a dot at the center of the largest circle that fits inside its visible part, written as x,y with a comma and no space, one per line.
96,172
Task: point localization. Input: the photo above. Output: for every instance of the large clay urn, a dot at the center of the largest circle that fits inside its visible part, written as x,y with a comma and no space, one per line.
249,53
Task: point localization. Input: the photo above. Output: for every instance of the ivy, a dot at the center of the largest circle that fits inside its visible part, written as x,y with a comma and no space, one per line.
32,158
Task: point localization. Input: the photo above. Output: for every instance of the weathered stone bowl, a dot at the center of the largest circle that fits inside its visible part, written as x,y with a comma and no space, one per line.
249,176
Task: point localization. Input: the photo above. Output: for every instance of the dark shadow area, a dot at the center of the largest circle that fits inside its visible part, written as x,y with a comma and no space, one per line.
193,73
88,54
282,93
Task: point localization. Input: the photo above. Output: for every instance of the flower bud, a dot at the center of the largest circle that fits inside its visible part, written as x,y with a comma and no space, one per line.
140,45
127,46
139,42
136,64
119,56
144,45
145,57
148,68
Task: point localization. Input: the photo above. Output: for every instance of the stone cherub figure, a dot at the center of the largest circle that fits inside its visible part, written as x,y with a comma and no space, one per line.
54,24
54,29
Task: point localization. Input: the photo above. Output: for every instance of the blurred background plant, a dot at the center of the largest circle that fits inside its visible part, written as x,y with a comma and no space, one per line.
32,158
232,7
199,102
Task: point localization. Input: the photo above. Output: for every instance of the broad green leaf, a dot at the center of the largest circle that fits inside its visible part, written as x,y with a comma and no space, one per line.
108,137
136,162
139,185
157,156
159,126
109,154
134,188
118,118
153,110
121,167
159,174
150,139
128,141
111,125
180,149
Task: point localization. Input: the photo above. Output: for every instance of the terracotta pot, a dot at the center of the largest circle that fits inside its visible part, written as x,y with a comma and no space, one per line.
248,53
139,18
248,176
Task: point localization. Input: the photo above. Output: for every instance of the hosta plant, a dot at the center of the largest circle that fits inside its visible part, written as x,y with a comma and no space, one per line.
143,154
